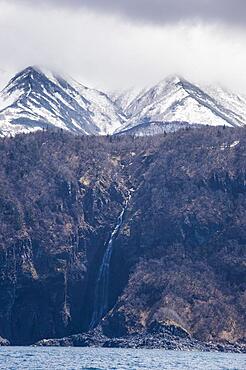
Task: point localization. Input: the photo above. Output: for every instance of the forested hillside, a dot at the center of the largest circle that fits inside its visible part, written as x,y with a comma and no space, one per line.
180,253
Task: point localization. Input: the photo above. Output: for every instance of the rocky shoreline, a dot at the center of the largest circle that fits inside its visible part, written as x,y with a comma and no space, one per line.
158,336
168,338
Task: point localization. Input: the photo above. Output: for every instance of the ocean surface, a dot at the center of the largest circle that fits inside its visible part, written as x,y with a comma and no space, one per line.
49,358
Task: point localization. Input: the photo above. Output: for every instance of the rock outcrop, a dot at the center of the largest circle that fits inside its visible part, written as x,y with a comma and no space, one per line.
164,338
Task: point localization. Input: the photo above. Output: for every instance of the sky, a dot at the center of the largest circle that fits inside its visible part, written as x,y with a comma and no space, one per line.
119,44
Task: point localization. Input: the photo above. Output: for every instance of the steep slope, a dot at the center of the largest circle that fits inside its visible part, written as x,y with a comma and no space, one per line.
179,253
235,103
187,222
35,98
177,100
123,99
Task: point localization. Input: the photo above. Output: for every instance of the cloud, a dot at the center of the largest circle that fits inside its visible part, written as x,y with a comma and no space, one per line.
161,11
105,51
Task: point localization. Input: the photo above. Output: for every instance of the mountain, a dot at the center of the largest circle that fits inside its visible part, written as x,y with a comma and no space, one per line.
124,98
177,101
172,209
5,77
36,98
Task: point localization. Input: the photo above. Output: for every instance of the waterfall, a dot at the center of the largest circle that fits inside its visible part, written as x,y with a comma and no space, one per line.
102,284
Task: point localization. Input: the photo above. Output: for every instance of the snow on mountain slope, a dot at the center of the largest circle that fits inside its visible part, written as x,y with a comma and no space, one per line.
125,98
155,128
234,102
177,100
107,115
36,98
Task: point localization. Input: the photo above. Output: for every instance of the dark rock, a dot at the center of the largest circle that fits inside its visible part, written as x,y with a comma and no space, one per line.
165,341
168,327
4,342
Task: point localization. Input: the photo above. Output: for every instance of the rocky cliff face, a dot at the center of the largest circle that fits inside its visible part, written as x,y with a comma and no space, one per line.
180,253
185,236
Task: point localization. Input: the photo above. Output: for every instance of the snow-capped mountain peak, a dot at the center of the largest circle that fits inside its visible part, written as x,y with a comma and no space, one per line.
175,99
35,98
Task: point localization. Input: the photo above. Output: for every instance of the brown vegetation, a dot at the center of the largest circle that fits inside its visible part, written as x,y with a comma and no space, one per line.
180,254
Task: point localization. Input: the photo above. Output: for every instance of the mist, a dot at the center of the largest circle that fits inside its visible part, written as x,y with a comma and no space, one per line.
114,49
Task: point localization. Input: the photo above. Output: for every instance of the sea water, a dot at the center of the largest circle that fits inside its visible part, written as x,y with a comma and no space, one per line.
69,358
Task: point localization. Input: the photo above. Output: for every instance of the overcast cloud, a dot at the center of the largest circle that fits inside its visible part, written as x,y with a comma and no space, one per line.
114,44
161,11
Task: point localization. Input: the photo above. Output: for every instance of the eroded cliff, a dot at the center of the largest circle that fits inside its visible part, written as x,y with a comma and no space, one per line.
179,255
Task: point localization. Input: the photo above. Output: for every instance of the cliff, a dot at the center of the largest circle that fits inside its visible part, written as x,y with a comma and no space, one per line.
179,256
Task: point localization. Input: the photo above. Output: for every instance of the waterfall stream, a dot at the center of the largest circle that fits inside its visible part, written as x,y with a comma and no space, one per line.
102,284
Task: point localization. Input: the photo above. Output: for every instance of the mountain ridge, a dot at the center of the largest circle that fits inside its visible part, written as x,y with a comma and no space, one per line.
36,98
176,99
